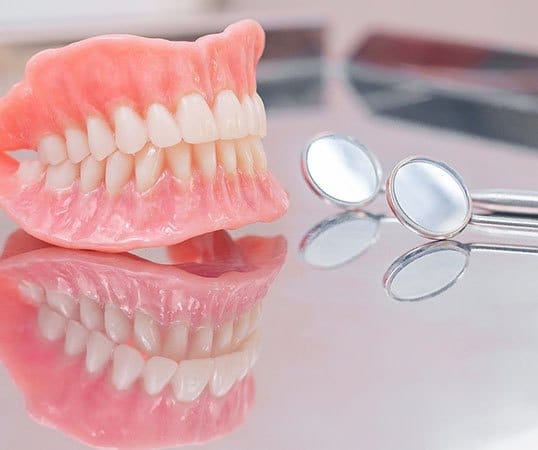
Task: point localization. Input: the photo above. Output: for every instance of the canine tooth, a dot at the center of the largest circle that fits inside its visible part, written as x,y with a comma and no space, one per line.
251,349
260,113
205,158
51,149
146,334
91,315
175,342
119,167
241,327
63,303
258,154
178,158
245,160
223,338
61,175
30,172
157,373
191,378
92,173
226,156
127,365
201,342
98,351
162,128
195,120
76,338
131,133
250,115
77,144
226,373
117,324
148,167
229,115
32,291
100,138
51,324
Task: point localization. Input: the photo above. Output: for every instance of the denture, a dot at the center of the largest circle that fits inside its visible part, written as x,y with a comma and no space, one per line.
121,352
139,142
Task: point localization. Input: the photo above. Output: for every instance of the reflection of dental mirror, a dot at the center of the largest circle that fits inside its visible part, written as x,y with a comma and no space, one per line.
431,269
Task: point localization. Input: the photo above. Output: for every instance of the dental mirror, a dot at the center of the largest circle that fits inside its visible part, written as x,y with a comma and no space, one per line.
341,170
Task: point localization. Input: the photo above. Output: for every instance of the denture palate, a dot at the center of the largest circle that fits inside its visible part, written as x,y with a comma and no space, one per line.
139,349
195,138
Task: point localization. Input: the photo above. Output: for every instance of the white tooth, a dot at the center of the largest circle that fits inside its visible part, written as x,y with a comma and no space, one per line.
76,338
51,324
241,327
178,158
226,156
227,371
100,138
258,154
195,120
157,373
119,168
77,144
229,115
175,343
201,343
205,158
51,149
250,115
127,366
98,351
148,167
223,338
250,348
32,292
63,303
30,171
255,314
131,133
260,113
245,160
61,175
162,128
91,315
117,324
191,378
146,334
92,173
243,366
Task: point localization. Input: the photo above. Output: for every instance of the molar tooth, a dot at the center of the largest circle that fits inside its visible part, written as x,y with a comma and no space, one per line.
258,154
260,113
251,116
195,120
61,175
30,172
98,351
245,160
223,338
91,315
77,144
119,167
191,378
117,325
76,338
162,128
205,158
92,173
201,342
175,342
100,138
127,365
148,167
63,303
131,133
32,291
51,324
226,156
157,373
51,149
229,115
241,327
227,371
146,334
178,158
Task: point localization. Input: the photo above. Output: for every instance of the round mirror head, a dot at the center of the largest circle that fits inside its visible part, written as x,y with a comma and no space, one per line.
337,240
429,197
426,271
341,170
